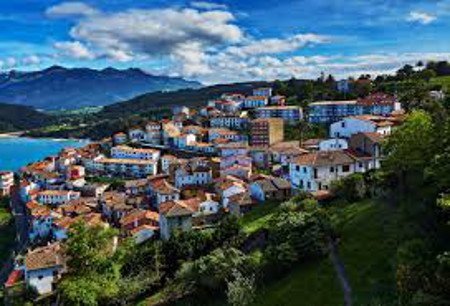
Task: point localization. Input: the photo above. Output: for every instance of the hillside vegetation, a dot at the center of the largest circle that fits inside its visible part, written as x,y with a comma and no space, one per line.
18,117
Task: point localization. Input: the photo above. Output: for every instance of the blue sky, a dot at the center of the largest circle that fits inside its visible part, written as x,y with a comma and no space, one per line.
225,41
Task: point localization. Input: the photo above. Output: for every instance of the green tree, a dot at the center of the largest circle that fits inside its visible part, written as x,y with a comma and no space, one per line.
93,264
241,289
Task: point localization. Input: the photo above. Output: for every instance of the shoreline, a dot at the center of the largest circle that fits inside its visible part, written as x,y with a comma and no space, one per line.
21,134
12,134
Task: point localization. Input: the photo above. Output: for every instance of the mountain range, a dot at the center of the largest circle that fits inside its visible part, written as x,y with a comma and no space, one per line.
58,87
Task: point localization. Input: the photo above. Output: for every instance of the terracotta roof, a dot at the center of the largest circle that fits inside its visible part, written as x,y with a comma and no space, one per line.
139,214
136,230
175,209
377,99
164,187
242,199
13,278
373,136
44,257
324,158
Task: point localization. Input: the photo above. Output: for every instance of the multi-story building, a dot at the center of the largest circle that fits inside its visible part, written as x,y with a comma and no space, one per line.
263,91
154,132
192,175
125,167
332,111
6,182
232,122
125,152
57,197
255,101
266,131
290,114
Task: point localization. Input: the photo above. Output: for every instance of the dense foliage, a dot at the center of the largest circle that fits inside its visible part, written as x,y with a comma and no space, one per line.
16,117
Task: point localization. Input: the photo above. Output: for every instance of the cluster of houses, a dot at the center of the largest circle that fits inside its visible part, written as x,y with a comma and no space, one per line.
189,171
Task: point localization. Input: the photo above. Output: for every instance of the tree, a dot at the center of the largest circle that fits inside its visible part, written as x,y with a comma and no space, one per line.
210,273
351,188
241,289
407,157
93,264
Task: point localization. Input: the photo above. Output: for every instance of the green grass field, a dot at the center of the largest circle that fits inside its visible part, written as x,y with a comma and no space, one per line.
367,249
258,217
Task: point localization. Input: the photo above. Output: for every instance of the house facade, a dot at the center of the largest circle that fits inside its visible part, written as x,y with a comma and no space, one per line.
315,171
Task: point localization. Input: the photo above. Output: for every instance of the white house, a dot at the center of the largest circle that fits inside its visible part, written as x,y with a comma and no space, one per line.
126,152
192,175
43,267
162,191
255,101
153,130
174,215
228,188
316,171
120,138
333,144
364,123
137,134
184,140
166,161
57,197
263,91
6,182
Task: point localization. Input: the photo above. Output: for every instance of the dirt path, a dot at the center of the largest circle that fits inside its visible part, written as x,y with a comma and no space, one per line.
340,271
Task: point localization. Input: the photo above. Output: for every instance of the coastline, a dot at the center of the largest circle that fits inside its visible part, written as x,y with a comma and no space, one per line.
12,134
22,134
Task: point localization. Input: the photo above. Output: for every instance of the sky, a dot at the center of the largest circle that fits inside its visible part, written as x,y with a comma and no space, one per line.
226,40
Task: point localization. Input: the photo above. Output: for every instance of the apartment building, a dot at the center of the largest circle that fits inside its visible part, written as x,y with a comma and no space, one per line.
266,131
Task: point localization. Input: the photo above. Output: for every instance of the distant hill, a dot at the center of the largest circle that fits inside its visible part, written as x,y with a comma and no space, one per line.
62,88
19,117
187,97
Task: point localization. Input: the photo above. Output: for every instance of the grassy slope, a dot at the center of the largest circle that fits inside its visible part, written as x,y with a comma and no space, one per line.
367,249
444,81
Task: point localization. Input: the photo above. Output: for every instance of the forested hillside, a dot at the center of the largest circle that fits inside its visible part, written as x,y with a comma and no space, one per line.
17,117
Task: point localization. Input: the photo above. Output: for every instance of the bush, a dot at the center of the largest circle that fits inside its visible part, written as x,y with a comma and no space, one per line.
351,188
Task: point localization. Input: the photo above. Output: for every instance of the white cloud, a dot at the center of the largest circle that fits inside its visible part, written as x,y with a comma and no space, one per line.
31,60
74,49
277,45
67,9
421,17
208,5
10,62
156,32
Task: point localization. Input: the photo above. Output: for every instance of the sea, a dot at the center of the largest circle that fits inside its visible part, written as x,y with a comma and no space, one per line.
16,152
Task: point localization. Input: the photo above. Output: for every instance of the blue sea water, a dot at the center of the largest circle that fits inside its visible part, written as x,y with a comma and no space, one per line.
16,152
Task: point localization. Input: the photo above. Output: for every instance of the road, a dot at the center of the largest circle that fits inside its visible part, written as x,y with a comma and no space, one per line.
21,223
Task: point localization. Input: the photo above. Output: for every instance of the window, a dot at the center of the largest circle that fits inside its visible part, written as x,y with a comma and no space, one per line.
345,168
304,169
331,169
308,185
343,124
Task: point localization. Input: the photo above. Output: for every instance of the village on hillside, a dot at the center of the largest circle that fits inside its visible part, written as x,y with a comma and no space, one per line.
187,172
